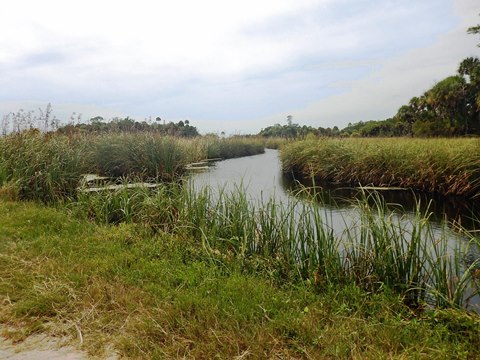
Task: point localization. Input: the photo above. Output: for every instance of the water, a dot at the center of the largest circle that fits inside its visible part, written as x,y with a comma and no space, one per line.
261,176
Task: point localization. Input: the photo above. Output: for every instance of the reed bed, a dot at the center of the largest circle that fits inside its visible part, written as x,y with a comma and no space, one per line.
296,242
441,166
48,167
276,142
232,147
42,167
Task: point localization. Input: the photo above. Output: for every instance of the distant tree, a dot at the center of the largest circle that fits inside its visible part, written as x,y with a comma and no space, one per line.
98,124
288,131
474,30
447,101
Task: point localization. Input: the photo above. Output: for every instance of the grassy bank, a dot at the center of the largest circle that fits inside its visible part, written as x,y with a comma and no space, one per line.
297,241
442,166
48,167
163,295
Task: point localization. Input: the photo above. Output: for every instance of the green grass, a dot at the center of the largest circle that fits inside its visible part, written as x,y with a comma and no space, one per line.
157,295
276,142
170,272
233,147
442,166
297,242
48,167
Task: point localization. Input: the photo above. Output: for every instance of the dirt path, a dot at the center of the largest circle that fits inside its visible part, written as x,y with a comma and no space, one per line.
41,347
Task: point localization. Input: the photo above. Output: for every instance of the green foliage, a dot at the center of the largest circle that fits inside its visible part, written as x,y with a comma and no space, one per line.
289,131
49,167
166,295
449,108
42,166
232,147
116,125
295,242
374,128
474,30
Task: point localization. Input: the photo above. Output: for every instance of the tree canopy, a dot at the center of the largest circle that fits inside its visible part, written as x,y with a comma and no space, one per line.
98,124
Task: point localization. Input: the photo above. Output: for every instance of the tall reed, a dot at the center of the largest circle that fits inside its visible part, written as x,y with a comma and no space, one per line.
296,241
443,166
42,166
48,167
232,147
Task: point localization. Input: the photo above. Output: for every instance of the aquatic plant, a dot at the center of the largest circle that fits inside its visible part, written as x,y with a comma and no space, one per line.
232,147
442,166
296,241
49,167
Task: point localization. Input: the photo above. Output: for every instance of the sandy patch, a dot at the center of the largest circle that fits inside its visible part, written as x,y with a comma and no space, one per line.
41,347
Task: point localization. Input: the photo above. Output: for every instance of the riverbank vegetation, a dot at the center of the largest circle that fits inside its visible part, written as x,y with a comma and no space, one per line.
151,267
295,241
175,273
49,166
441,166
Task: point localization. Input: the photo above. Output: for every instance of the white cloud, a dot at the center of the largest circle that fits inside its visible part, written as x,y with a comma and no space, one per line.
384,90
327,62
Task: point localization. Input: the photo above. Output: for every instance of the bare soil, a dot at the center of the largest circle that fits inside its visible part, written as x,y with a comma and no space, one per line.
40,347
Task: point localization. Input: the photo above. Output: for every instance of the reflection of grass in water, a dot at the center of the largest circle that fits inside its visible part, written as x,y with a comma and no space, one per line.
456,210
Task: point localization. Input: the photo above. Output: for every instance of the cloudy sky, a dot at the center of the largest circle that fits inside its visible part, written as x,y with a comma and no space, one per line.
233,66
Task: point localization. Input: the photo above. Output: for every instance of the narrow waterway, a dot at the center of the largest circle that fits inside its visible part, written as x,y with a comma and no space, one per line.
261,177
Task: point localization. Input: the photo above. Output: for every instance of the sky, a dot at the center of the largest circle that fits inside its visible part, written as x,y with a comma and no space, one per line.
229,66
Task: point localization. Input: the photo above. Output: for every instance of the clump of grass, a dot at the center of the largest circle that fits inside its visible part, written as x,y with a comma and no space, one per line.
41,166
144,155
233,147
48,167
276,142
442,166
296,242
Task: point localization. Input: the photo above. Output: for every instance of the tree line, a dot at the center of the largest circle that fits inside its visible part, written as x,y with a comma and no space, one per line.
99,125
450,108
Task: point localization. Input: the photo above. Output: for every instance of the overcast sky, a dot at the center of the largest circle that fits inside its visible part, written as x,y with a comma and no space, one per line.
233,66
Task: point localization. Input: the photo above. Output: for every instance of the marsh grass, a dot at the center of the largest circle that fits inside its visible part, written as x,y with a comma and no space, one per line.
276,142
232,147
442,166
40,166
296,242
48,167
176,271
